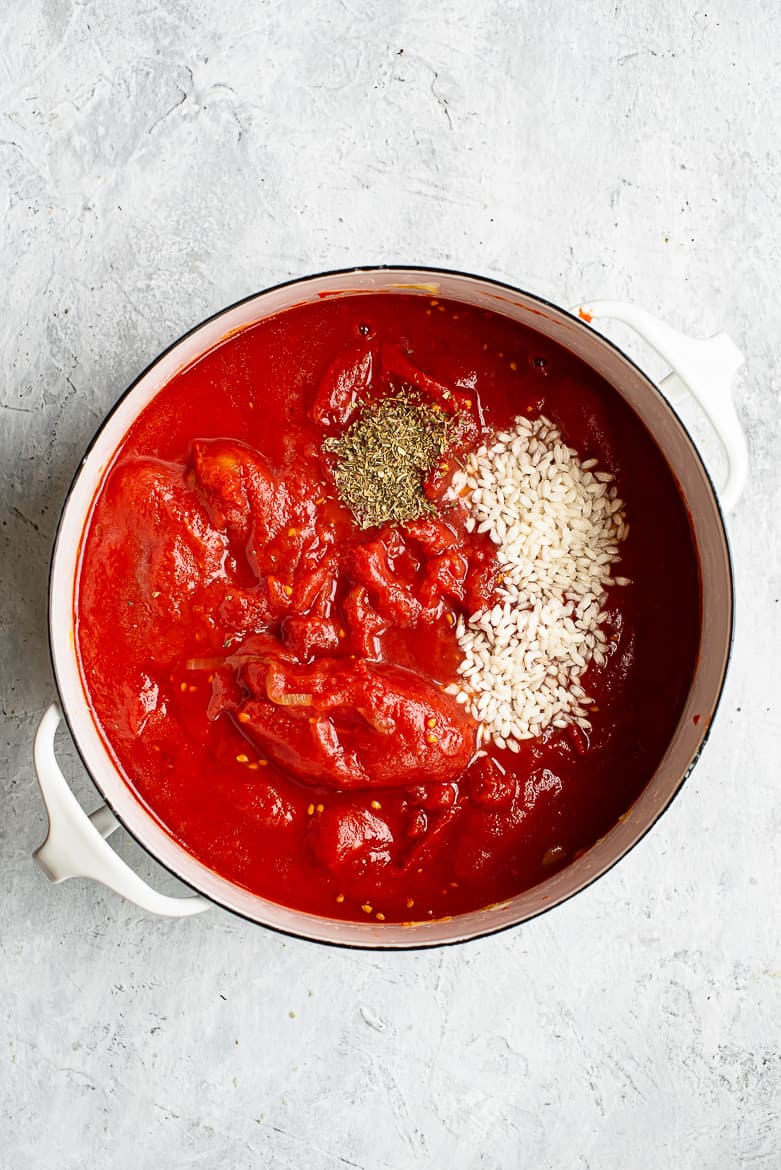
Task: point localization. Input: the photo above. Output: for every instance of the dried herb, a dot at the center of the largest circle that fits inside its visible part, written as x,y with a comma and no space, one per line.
383,459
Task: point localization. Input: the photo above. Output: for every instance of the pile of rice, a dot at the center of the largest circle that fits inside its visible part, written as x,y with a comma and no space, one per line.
558,524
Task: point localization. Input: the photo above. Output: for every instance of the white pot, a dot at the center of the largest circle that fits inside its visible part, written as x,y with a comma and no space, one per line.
76,845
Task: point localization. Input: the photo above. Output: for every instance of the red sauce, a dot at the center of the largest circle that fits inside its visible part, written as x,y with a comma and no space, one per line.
269,677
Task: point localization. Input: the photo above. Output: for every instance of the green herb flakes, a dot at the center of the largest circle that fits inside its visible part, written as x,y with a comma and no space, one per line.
384,457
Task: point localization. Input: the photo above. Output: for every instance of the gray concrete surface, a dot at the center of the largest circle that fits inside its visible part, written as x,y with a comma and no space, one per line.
160,160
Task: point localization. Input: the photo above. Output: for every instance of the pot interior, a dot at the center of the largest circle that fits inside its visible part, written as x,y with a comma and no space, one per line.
708,531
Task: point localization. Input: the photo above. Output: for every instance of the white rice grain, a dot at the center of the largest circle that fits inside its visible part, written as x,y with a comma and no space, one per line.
557,524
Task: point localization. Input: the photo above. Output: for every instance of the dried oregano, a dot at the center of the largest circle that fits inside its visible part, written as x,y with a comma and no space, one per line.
384,456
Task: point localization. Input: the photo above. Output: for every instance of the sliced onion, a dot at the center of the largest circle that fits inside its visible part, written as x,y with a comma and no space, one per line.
204,663
232,660
277,695
293,700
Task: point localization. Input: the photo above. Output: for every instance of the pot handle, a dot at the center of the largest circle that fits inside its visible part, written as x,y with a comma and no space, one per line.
705,367
75,844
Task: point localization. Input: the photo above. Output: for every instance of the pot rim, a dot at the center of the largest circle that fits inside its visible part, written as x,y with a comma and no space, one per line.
589,878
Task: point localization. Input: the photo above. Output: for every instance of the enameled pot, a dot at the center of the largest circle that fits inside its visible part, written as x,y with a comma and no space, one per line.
76,844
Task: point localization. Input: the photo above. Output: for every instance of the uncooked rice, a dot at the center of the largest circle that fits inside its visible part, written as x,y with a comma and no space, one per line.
558,524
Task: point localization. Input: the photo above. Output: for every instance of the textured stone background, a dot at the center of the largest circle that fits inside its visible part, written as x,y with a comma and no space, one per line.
162,159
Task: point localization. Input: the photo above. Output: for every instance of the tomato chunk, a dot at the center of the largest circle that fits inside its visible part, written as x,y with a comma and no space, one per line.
355,724
310,636
433,536
445,578
394,600
364,622
341,387
240,491
509,812
346,838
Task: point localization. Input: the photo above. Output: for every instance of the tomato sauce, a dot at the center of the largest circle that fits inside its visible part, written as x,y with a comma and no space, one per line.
269,676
